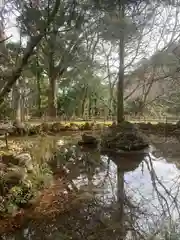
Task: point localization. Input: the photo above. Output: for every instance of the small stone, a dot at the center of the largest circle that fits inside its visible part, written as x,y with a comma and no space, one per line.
87,126
25,160
9,159
14,176
60,143
57,127
74,127
88,139
2,167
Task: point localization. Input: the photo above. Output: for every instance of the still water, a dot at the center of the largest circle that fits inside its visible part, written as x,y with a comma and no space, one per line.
123,197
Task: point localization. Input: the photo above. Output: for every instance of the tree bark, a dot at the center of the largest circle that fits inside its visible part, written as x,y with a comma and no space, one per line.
3,50
90,107
16,102
95,107
38,83
39,96
52,81
52,103
84,100
120,84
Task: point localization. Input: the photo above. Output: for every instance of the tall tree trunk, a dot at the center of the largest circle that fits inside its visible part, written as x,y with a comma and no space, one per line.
16,102
52,108
110,107
22,103
3,50
38,83
21,89
90,107
39,96
52,82
95,107
120,84
84,101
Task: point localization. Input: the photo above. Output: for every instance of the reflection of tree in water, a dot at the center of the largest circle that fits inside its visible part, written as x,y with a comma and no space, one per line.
124,164
161,210
92,221
123,217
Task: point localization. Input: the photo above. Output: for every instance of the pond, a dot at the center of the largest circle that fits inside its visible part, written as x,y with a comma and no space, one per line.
117,197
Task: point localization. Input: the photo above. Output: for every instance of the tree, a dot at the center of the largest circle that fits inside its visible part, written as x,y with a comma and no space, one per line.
12,76
143,25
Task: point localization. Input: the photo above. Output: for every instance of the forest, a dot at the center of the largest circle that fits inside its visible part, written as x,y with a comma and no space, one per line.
89,119
77,64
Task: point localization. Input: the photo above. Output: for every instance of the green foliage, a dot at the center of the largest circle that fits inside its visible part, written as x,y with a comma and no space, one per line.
41,177
69,54
20,195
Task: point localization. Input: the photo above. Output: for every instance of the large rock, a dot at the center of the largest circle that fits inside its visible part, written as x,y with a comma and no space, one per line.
86,126
9,159
25,160
14,176
6,128
123,137
22,160
74,127
57,127
88,140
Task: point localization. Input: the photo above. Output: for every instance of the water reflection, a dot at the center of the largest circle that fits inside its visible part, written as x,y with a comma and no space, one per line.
130,197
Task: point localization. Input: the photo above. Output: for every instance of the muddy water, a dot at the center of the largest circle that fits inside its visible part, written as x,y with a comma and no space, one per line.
137,195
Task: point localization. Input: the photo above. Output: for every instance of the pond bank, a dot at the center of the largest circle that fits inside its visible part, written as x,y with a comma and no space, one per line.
24,174
54,200
34,183
81,202
51,128
56,194
28,129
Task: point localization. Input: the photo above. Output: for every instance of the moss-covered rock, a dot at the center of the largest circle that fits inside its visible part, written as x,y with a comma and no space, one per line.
86,126
20,181
88,140
14,176
74,127
46,127
23,160
7,129
123,137
57,127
